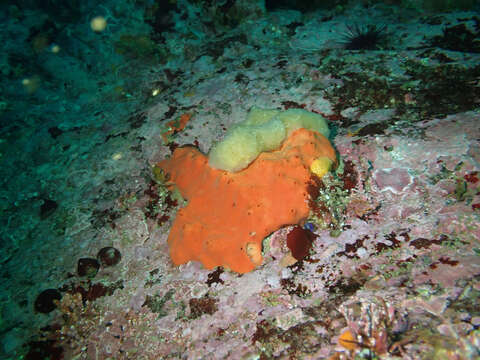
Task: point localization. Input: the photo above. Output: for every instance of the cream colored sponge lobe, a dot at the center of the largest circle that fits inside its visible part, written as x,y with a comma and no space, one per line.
263,130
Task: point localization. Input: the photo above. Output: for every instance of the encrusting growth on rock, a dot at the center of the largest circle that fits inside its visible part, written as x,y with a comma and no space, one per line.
229,214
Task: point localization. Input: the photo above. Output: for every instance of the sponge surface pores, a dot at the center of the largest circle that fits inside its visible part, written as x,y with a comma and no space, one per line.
263,130
229,214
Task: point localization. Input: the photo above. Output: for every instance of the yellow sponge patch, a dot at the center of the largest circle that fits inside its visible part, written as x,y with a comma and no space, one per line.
238,149
295,119
257,116
270,135
321,166
263,130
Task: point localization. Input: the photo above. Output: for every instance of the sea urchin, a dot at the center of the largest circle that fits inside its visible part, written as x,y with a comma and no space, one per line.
369,37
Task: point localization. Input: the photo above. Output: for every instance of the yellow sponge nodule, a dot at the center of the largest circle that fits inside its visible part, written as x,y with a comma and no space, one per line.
321,166
263,130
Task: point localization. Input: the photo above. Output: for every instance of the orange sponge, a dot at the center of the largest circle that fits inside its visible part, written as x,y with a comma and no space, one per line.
229,214
176,125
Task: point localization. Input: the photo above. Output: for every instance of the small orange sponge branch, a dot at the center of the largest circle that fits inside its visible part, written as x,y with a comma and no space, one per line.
176,125
229,214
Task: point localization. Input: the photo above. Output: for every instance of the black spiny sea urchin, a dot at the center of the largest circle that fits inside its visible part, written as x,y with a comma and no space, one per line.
368,37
